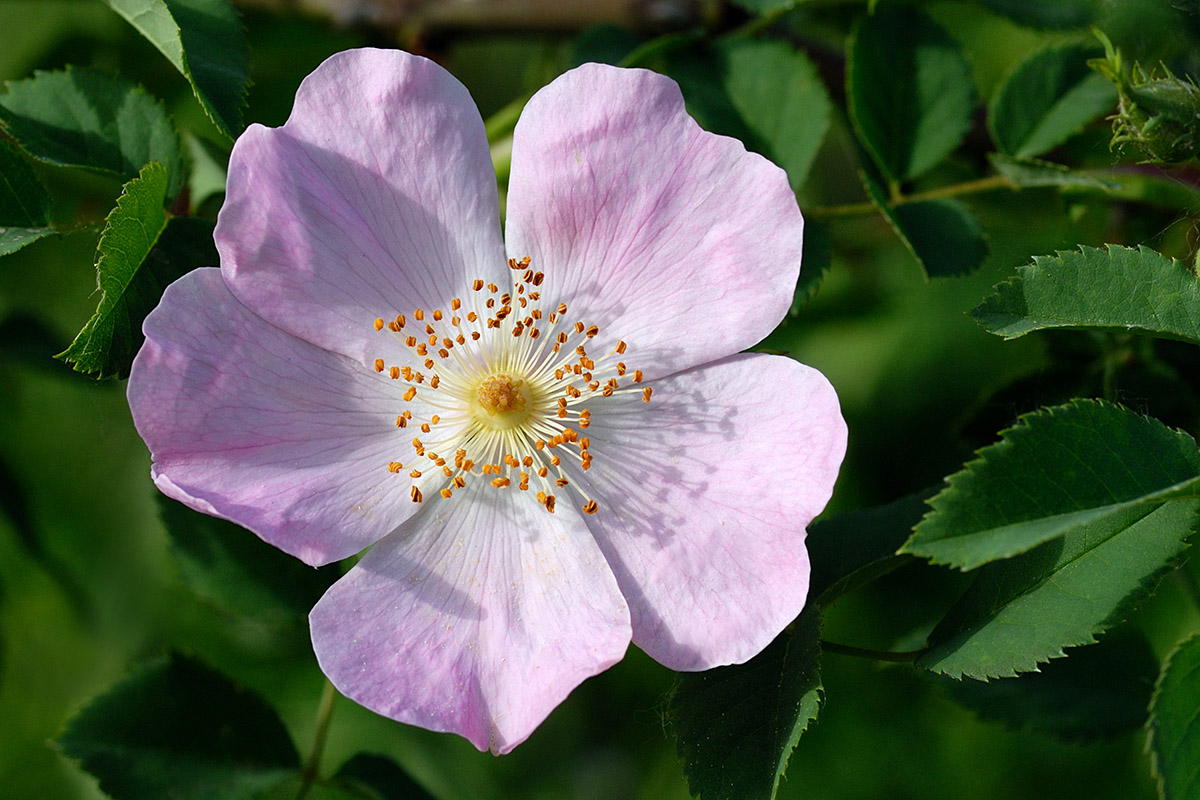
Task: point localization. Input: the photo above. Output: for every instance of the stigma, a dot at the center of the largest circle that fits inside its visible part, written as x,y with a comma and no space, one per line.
503,391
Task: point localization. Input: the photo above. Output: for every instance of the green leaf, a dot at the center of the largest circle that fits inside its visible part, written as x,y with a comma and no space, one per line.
945,238
81,118
1175,725
1115,289
736,726
379,778
777,92
1024,610
1064,470
175,728
765,93
1032,172
140,252
763,6
205,41
24,203
1047,14
909,91
852,548
1048,98
1096,692
231,567
814,261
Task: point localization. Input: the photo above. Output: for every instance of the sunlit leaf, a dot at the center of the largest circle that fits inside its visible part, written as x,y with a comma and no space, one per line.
82,118
140,252
1096,692
1106,539
1175,725
909,91
943,235
176,729
1115,288
1048,98
205,41
1069,469
735,727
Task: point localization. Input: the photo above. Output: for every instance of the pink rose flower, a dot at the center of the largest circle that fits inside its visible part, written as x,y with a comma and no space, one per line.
548,440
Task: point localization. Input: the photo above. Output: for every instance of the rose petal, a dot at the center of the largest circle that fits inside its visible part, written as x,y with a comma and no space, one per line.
676,240
249,423
705,493
377,197
478,617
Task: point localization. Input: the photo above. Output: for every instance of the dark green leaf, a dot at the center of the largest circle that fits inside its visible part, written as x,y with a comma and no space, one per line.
1032,172
205,41
231,567
80,118
1096,692
602,44
1159,191
176,729
24,203
140,252
815,262
1116,288
378,778
781,99
736,726
1072,469
763,6
1049,14
1175,724
765,93
909,91
849,549
1048,98
945,238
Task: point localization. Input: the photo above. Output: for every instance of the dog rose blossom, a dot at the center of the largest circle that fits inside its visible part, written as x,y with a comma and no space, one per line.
546,438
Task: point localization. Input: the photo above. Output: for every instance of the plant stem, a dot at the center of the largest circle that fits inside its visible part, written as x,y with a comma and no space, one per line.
876,655
313,764
988,184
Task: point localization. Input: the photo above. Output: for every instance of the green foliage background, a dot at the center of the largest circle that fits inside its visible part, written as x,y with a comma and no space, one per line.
91,584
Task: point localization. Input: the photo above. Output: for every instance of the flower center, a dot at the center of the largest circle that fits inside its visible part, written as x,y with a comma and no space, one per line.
503,386
503,400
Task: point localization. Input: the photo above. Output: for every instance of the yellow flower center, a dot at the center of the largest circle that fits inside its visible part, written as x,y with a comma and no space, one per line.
504,387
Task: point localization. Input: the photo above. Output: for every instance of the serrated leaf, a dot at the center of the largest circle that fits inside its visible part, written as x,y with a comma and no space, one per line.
851,548
1047,14
24,203
1115,288
909,91
140,252
205,41
1048,98
82,118
1174,724
735,727
1032,172
765,93
231,567
943,235
814,263
379,778
177,729
1096,692
1070,469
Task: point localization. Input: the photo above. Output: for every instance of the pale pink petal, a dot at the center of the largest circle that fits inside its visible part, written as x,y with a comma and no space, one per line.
478,616
377,197
676,240
249,423
704,495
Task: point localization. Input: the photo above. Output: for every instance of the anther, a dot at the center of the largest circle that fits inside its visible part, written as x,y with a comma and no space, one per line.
379,324
379,365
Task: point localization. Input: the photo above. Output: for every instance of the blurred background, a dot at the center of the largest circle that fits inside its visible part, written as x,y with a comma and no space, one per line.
90,585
